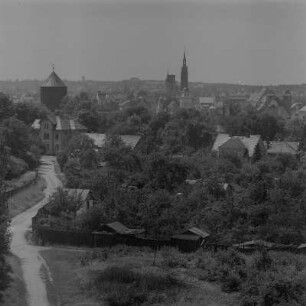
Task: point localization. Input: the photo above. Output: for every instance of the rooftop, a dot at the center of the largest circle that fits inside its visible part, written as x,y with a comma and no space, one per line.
249,142
99,139
54,81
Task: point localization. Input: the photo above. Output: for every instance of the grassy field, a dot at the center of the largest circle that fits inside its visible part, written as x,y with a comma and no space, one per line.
124,273
16,293
26,198
67,275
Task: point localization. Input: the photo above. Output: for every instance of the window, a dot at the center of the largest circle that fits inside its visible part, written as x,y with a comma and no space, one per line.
56,148
46,136
46,125
48,147
56,136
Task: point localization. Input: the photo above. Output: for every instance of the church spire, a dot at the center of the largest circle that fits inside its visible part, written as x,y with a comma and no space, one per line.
184,74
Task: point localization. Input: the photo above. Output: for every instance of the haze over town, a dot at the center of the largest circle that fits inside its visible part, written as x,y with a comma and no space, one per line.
248,42
152,152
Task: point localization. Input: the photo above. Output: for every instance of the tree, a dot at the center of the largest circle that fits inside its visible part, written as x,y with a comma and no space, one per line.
165,173
65,204
90,119
4,224
6,107
120,156
82,148
28,112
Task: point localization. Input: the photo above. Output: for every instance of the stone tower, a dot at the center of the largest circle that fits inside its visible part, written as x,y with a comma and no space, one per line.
53,91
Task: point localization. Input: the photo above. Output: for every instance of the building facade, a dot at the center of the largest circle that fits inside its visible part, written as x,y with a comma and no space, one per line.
55,132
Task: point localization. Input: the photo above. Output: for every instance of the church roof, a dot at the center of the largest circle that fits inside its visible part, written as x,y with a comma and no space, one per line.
54,81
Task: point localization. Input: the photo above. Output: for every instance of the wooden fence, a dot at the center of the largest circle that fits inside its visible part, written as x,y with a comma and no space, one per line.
45,234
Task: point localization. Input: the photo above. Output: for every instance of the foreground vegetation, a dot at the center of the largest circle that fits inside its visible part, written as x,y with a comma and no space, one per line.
124,276
26,198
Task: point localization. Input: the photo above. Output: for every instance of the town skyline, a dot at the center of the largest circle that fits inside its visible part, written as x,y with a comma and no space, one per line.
256,43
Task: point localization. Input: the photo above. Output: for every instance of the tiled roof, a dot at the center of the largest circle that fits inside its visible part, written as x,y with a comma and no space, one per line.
99,139
303,109
249,142
206,100
62,124
279,147
54,81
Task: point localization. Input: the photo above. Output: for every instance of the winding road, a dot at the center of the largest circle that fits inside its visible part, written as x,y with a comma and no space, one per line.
31,261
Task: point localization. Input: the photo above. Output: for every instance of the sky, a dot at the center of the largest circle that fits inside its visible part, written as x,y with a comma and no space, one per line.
260,42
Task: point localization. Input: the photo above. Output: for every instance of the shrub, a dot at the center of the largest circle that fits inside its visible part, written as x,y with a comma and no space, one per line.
226,267
173,258
272,289
121,286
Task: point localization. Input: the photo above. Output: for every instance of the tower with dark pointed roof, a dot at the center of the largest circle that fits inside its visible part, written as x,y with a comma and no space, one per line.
184,75
53,91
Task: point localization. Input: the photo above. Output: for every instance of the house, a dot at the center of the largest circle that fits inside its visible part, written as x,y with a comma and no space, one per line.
258,97
282,147
56,131
206,103
242,146
120,229
84,195
302,113
190,240
99,139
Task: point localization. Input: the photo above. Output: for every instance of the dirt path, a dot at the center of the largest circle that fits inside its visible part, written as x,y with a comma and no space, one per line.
29,255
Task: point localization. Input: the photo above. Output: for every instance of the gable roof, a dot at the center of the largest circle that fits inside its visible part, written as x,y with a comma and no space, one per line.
54,81
197,231
303,109
249,142
256,97
234,143
283,147
61,124
121,229
192,233
99,139
206,100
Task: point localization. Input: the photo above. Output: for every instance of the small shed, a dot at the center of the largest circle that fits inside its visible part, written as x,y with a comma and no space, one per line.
302,248
190,240
253,245
120,229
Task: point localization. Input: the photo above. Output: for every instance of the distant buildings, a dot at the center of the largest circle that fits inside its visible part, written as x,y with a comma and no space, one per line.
55,132
99,139
170,84
53,91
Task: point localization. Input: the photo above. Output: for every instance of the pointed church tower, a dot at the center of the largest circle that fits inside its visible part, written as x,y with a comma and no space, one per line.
184,75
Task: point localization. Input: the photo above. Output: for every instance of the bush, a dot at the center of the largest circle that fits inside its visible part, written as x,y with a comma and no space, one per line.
173,258
272,289
121,286
226,267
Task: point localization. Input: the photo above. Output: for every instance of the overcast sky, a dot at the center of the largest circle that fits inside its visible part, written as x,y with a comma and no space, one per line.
247,41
